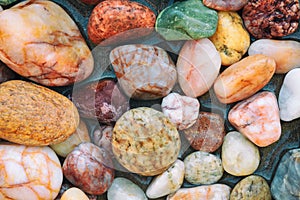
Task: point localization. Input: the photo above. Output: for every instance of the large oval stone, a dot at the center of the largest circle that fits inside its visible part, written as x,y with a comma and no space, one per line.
29,173
145,141
198,66
244,78
35,115
40,41
143,71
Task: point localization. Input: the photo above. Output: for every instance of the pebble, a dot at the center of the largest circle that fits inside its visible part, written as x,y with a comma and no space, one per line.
257,118
35,115
54,55
202,168
205,192
240,157
74,194
232,43
228,5
6,2
102,137
244,78
29,173
182,110
145,141
285,184
5,72
125,189
251,188
207,133
144,72
198,66
89,168
286,53
289,96
167,182
81,135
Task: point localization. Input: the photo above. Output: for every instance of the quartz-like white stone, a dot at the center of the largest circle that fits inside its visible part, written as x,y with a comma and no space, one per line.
167,182
289,96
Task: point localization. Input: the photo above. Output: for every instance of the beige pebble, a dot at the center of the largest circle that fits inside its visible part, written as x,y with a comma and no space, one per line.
74,194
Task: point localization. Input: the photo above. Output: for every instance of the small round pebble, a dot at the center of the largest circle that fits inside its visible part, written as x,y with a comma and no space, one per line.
74,194
202,168
251,188
125,189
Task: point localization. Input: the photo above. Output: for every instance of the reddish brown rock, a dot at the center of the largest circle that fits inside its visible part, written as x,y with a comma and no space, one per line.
207,133
227,5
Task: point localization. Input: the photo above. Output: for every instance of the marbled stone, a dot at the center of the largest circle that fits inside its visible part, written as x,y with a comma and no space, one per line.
102,137
240,157
167,182
125,189
198,66
206,192
285,184
289,96
202,168
182,110
143,71
257,118
29,173
251,188
207,133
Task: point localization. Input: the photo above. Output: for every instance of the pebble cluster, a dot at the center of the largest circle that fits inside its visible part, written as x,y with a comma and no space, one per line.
79,145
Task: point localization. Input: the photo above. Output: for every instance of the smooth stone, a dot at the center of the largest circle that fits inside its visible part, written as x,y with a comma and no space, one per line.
289,96
207,133
198,66
285,184
228,5
145,141
102,137
167,182
182,110
251,188
286,53
240,157
244,78
202,168
144,72
74,194
29,173
232,43
125,189
257,118
206,192
6,2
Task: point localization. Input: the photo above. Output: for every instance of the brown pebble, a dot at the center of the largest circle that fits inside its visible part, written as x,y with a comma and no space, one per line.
228,5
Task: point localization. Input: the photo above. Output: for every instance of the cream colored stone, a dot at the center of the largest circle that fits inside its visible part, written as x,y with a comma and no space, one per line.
74,194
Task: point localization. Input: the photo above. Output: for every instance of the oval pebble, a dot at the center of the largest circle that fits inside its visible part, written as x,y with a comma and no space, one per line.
228,5
145,141
74,194
202,168
29,173
240,157
251,188
125,189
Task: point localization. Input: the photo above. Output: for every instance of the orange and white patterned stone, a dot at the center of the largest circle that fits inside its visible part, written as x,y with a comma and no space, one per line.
257,118
29,173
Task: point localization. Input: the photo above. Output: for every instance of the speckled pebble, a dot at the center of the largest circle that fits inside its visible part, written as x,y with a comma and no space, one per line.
202,168
251,188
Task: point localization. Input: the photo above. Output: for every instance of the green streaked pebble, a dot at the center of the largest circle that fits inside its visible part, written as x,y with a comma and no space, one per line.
6,2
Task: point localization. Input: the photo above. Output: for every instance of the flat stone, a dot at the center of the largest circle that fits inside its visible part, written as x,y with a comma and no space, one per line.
182,110
207,133
285,184
203,168
240,157
289,96
251,188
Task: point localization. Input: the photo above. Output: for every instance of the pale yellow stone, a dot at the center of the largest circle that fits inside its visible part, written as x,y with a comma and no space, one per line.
74,194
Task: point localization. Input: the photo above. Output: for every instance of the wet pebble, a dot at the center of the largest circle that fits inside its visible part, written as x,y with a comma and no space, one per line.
182,110
167,182
240,157
202,168
74,194
285,184
289,96
228,5
125,189
257,118
207,133
251,188
206,192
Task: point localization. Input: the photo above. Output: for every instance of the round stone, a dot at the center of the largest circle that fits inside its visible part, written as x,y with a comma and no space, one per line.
202,168
145,141
251,188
